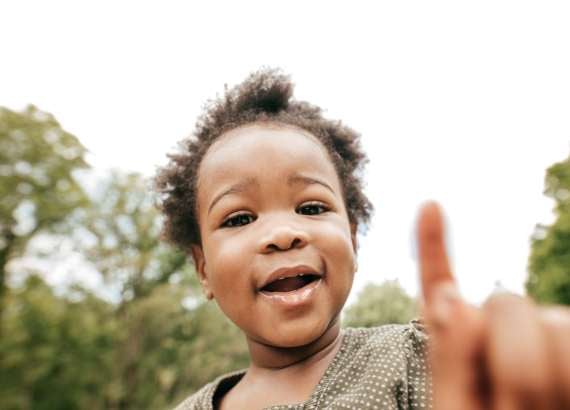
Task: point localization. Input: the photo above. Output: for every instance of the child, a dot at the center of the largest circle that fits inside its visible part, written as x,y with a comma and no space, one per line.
267,197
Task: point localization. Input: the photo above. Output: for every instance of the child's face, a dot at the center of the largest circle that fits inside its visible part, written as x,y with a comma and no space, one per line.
269,198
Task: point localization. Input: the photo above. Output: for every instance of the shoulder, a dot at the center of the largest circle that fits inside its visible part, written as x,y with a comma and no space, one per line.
391,362
411,338
203,399
400,348
389,346
380,367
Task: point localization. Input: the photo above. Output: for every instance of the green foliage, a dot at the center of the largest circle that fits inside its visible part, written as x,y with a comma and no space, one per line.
120,234
65,353
163,351
549,262
381,304
152,339
58,352
37,187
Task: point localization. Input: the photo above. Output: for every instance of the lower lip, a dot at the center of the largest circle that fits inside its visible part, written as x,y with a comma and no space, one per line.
294,298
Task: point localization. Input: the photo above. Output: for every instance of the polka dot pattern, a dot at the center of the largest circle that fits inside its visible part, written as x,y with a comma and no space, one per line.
375,368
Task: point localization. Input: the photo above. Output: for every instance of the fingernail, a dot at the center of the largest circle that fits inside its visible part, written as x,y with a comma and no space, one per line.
444,304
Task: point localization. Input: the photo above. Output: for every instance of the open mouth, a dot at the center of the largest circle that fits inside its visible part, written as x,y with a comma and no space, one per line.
290,284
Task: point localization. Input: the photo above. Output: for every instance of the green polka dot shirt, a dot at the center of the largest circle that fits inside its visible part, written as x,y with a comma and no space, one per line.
375,368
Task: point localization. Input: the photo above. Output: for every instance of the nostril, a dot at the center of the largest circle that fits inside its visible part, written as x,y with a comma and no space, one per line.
296,243
283,246
272,247
280,236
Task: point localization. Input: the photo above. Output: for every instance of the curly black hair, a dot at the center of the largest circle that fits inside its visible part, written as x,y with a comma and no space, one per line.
265,96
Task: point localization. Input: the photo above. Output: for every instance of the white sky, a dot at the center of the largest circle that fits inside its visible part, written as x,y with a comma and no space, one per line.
464,102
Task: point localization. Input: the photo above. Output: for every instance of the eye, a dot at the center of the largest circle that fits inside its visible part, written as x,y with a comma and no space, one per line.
312,208
238,220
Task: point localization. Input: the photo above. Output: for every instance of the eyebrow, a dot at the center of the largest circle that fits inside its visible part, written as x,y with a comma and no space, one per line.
237,188
296,178
247,183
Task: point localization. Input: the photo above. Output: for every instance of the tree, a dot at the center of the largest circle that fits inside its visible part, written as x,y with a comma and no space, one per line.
549,261
120,235
37,186
168,339
381,304
148,339
58,351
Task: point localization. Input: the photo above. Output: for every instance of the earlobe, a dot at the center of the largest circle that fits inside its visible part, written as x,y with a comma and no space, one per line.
201,269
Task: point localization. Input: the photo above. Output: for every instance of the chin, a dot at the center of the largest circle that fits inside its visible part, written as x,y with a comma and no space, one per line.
300,334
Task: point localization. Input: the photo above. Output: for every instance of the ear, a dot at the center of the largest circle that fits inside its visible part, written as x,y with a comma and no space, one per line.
353,237
201,269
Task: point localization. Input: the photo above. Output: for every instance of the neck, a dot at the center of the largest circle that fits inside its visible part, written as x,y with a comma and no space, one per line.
265,357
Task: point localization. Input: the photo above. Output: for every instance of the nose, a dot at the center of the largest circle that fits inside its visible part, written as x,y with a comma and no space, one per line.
282,236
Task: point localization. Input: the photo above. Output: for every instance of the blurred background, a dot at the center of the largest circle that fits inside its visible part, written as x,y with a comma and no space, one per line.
467,104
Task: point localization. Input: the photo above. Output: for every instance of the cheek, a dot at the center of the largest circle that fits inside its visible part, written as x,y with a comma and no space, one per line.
338,249
339,235
228,261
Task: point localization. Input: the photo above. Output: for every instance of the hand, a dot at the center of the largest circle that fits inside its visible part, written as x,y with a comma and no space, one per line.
509,354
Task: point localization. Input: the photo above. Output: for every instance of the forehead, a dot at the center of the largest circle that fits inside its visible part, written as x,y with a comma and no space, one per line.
263,152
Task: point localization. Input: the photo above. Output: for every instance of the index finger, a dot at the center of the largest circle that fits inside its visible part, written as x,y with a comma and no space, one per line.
433,261
455,328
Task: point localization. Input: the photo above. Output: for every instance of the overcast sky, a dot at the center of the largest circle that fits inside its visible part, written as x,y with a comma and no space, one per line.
463,102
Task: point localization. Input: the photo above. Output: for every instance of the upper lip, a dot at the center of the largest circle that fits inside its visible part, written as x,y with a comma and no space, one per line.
289,272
